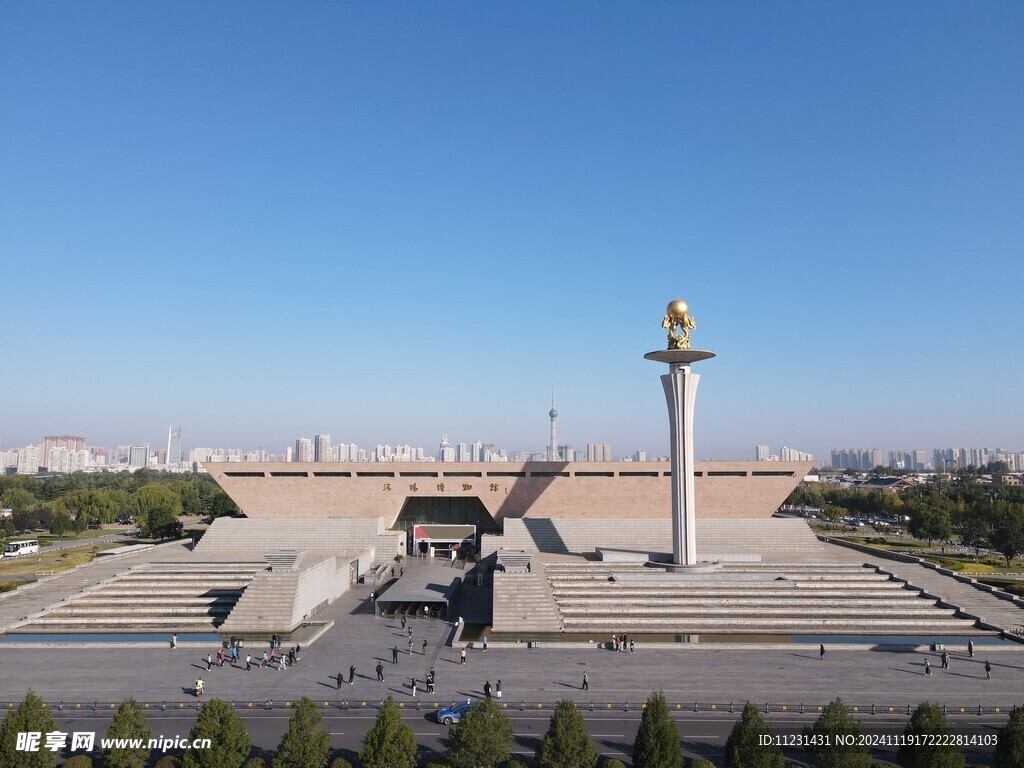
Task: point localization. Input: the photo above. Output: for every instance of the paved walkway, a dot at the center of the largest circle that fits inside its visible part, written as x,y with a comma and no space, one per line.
549,673
977,602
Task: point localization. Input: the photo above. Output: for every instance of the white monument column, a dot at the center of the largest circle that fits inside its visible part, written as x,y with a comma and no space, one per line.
680,385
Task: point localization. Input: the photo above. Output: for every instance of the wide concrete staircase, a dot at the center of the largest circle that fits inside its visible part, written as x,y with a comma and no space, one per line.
716,539
229,536
155,597
760,598
523,603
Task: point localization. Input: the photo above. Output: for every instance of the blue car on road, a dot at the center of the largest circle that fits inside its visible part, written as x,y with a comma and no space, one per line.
454,713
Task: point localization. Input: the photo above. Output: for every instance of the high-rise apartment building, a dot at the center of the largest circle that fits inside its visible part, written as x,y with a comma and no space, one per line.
864,459
445,452
138,455
322,448
640,456
28,459
304,449
792,454
71,442
173,446
599,452
762,453
462,454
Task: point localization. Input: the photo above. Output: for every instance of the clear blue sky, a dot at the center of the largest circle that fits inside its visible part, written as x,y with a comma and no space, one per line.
385,221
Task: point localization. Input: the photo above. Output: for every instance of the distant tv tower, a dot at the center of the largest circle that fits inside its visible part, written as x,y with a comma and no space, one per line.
553,414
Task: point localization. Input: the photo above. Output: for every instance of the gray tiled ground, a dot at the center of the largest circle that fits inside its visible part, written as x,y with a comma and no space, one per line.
793,676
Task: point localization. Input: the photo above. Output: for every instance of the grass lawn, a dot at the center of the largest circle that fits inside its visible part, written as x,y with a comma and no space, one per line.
51,562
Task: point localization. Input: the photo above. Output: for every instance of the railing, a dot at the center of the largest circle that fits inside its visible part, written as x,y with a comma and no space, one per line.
417,705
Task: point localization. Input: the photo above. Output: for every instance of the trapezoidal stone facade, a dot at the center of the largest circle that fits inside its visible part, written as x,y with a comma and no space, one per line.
588,490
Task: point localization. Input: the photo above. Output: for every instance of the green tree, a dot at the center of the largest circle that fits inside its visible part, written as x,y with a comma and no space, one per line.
306,744
188,496
1008,534
221,505
832,751
929,521
129,723
567,743
30,716
700,762
161,524
229,741
657,743
78,761
60,524
481,739
743,747
391,742
17,499
152,497
1010,749
928,720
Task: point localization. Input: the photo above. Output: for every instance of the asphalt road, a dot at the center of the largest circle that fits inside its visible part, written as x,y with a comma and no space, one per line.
702,734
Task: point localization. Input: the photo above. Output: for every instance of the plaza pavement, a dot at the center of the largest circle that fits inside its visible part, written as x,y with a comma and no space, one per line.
792,676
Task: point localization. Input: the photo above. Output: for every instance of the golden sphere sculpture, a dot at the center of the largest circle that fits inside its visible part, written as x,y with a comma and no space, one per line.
679,322
677,308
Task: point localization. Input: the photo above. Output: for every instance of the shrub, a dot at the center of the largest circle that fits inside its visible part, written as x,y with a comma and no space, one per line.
341,762
1010,750
481,739
255,762
168,761
476,557
229,740
78,761
700,762
611,762
30,715
399,558
743,748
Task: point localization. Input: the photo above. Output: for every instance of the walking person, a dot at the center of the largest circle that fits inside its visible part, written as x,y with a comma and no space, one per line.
945,660
403,622
497,689
462,658
263,661
340,677
424,647
970,648
487,689
821,651
988,670
209,662
380,671
352,675
174,641
410,646
248,662
586,682
414,687
394,655
927,667
485,643
632,648
282,665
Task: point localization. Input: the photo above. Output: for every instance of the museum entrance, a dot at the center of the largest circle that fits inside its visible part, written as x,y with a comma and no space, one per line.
438,510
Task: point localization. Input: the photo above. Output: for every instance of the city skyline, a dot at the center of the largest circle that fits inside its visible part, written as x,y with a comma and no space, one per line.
410,221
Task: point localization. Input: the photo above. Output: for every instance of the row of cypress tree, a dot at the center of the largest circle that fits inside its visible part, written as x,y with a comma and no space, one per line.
484,736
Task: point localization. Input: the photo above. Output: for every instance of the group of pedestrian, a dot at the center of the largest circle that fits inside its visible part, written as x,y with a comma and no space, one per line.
944,659
619,644
497,689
